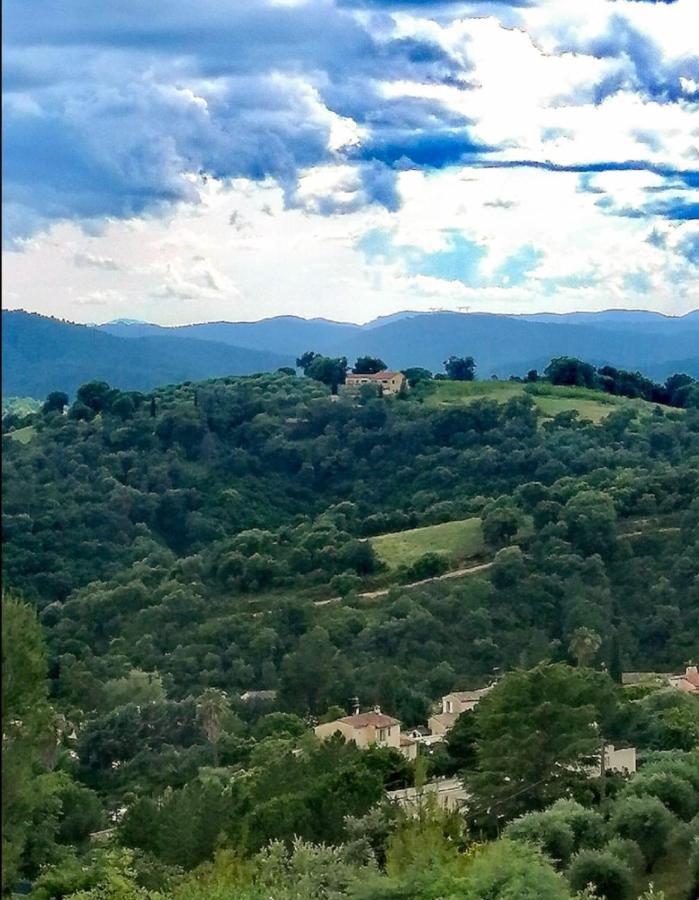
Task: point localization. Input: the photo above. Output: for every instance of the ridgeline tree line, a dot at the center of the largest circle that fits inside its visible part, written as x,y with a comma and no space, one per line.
163,553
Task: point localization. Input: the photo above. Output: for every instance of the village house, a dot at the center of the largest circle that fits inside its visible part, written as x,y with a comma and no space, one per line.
370,728
390,383
452,706
687,683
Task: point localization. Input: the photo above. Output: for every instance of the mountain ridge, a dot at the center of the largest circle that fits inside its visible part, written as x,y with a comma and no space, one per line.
41,353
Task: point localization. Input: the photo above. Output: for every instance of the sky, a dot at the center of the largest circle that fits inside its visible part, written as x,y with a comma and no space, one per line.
234,159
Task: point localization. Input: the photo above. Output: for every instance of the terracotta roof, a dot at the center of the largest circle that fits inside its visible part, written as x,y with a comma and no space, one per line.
378,376
378,720
467,696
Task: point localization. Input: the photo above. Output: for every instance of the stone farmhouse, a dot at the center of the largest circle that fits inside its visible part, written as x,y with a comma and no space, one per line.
390,383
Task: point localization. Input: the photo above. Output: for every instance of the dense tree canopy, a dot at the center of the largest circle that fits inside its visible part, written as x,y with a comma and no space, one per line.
208,542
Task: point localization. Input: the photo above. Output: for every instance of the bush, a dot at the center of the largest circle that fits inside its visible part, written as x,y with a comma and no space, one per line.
429,565
628,852
610,877
694,866
644,820
543,830
673,791
589,828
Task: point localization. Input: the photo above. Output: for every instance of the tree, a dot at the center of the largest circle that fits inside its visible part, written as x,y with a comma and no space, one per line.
644,820
95,394
429,565
461,742
505,869
567,370
591,520
508,568
560,831
369,365
584,645
304,361
535,729
415,374
460,368
211,709
55,402
25,727
500,525
307,672
610,876
330,370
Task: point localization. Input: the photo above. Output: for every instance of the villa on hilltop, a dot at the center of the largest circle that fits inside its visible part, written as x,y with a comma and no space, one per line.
390,383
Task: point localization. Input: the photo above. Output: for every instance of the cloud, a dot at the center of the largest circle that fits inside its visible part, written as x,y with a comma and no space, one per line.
688,247
501,152
88,260
109,113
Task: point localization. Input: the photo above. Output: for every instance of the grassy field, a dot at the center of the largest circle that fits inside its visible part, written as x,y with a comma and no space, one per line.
458,540
22,435
550,399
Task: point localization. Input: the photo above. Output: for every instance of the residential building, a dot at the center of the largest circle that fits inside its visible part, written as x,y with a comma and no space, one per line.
687,683
390,382
616,759
370,728
452,706
450,794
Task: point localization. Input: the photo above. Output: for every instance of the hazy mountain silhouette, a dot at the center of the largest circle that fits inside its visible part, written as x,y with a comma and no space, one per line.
41,354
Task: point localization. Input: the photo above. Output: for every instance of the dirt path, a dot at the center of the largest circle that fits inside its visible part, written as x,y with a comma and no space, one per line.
384,592
668,530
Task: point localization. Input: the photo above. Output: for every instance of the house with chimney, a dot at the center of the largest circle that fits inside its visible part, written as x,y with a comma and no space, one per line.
370,729
687,683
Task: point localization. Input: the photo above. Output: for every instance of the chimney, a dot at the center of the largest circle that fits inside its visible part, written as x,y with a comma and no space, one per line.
377,710
355,706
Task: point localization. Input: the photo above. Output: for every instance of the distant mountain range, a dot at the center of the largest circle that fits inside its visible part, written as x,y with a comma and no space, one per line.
42,354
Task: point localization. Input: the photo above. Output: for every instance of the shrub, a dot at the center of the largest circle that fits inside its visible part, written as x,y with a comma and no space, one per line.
610,877
589,828
543,830
674,792
628,852
429,565
644,820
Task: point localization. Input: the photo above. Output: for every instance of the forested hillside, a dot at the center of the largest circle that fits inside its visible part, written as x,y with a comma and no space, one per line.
167,552
41,354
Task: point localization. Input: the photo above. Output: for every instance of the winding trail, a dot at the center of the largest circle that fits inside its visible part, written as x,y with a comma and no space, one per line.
384,592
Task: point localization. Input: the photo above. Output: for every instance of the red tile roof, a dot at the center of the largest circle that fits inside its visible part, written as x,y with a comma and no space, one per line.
378,720
378,376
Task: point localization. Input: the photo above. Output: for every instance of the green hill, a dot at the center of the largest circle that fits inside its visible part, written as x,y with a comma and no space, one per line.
549,399
456,540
